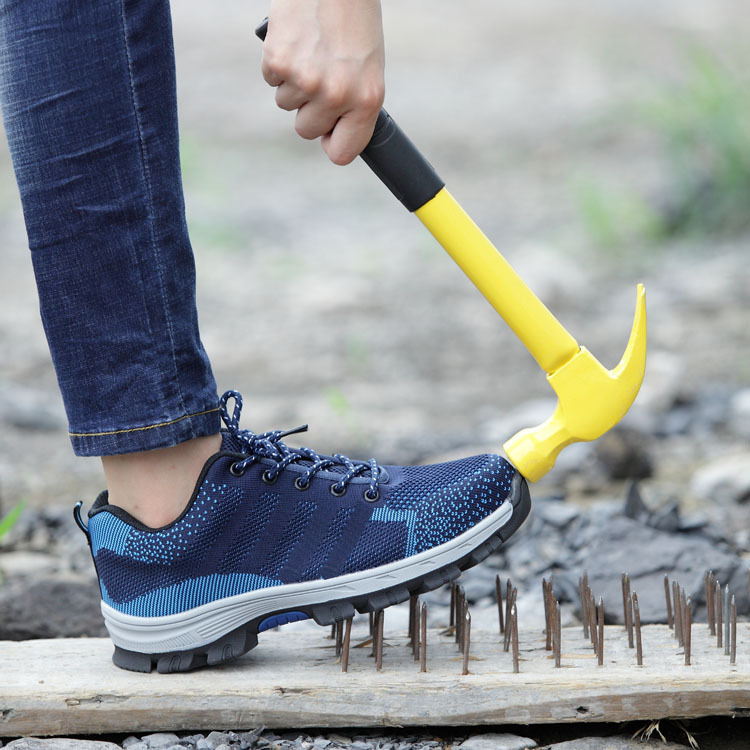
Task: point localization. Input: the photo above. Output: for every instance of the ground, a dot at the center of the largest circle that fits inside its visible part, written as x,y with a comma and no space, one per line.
323,301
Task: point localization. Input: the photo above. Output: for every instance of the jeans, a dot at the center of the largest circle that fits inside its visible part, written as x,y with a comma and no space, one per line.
88,96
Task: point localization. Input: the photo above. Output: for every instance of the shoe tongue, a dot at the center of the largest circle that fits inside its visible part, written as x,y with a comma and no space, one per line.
230,443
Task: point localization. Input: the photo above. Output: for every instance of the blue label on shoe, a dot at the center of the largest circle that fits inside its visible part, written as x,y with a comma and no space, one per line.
285,617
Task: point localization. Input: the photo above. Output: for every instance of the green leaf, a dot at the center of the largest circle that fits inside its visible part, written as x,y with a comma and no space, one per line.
8,521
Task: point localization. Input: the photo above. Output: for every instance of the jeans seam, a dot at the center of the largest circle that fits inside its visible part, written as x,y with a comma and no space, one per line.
150,204
146,427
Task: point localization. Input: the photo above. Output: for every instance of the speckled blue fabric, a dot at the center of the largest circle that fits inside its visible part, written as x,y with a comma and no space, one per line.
240,533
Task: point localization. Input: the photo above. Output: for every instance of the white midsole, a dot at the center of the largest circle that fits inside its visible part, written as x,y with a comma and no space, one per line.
205,624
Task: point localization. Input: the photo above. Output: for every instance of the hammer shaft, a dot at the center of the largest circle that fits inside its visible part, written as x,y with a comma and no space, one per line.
540,332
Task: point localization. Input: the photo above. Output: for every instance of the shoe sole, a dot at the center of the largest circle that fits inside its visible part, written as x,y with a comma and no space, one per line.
228,628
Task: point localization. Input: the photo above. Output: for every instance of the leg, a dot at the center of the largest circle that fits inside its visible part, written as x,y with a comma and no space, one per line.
89,104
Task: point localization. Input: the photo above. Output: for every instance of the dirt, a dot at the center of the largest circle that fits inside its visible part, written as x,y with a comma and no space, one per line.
324,301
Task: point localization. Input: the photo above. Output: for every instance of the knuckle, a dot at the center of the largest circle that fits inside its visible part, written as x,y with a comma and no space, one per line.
274,65
371,98
303,131
337,93
308,81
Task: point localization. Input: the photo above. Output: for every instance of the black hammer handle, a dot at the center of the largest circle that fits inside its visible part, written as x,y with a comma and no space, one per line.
395,159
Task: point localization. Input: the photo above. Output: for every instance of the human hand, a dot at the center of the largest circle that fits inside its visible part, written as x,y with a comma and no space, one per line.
326,60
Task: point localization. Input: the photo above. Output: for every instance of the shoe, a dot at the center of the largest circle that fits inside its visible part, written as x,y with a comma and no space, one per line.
274,534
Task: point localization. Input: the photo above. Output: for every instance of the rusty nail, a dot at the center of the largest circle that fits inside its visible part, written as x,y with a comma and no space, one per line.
412,602
499,599
625,584
417,642
339,636
670,616
414,626
457,615
333,631
733,631
514,617
423,640
347,642
452,616
592,623
678,619
688,629
711,602
719,610
638,640
707,594
466,642
372,623
600,638
584,617
629,620
684,599
510,599
548,615
379,621
558,634
727,623
464,612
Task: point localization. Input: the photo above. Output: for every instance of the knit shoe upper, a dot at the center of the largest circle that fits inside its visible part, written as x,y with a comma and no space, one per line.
264,515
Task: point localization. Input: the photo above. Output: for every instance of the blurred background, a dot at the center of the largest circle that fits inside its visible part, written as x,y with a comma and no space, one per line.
598,144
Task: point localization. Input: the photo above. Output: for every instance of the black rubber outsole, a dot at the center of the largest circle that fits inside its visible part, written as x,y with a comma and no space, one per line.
245,637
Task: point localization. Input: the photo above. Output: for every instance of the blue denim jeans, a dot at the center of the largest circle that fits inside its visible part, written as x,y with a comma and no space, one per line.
87,89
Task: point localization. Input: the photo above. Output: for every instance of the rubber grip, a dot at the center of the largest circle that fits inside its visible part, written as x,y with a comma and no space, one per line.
394,158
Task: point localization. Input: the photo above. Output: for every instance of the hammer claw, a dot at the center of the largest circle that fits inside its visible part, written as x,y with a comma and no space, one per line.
591,400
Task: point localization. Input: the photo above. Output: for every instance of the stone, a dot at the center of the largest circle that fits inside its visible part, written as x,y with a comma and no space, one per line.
739,413
725,479
558,514
501,741
160,740
623,545
497,741
128,741
623,454
59,743
609,743
662,383
60,606
31,564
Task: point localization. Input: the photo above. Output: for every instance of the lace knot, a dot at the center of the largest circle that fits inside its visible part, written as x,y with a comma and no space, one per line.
271,446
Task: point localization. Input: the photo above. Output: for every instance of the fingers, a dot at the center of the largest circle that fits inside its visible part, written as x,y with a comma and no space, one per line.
325,59
289,97
349,136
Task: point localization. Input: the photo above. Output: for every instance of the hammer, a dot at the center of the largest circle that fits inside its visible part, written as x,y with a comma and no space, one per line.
590,398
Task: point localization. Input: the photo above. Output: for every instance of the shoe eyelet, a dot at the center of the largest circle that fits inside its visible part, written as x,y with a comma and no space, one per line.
234,471
371,498
300,485
268,477
338,493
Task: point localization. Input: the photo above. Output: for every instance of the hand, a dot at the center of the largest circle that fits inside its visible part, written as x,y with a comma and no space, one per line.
326,60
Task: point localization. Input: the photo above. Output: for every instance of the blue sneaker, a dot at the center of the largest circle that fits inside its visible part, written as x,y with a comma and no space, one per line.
274,534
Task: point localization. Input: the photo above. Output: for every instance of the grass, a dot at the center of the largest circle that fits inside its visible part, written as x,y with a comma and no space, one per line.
703,125
8,521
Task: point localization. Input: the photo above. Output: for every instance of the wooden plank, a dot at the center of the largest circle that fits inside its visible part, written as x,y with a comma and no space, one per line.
293,679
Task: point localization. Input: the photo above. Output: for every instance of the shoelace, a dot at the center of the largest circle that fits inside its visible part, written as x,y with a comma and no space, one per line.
270,445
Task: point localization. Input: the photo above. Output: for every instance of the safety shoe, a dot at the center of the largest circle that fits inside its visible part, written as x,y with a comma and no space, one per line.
274,534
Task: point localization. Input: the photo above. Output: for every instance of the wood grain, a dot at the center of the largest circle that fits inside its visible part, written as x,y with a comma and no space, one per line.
293,679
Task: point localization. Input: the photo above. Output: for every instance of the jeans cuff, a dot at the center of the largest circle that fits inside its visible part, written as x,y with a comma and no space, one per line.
149,437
